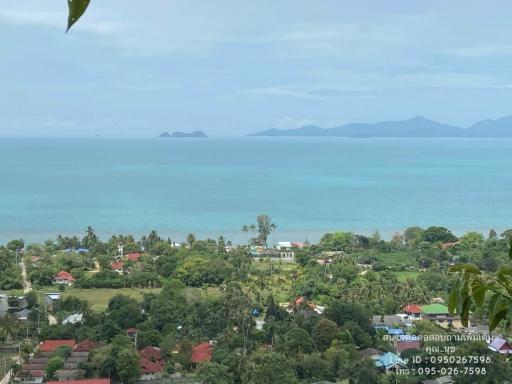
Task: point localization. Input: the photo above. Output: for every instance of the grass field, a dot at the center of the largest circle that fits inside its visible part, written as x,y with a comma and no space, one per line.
404,275
99,297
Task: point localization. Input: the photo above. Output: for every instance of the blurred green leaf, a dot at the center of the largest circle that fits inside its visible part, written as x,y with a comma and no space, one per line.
76,10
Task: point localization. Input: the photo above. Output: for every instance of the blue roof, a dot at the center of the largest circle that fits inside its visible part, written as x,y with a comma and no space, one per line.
388,360
395,331
409,338
386,327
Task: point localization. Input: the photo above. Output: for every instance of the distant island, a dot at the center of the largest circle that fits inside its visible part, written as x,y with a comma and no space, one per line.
416,127
183,135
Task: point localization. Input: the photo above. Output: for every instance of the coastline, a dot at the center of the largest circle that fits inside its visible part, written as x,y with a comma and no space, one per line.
235,236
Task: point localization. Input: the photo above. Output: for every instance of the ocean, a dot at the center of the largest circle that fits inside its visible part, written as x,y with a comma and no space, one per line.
209,187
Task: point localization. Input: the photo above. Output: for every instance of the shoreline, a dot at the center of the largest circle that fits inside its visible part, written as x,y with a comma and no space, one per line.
235,236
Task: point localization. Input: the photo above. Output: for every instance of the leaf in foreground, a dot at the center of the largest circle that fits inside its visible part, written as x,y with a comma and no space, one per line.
76,10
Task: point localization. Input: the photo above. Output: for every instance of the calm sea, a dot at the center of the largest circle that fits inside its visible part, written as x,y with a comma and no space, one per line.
214,186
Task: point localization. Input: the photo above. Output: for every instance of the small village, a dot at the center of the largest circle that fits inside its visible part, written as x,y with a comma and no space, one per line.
58,337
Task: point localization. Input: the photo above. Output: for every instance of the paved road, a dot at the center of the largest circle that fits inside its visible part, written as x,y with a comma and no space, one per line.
27,285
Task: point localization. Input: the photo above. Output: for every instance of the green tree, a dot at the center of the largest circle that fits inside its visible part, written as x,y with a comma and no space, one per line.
324,332
438,234
271,368
53,365
473,287
214,373
298,342
127,366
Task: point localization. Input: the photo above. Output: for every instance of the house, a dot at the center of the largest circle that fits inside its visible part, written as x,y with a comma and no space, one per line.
395,331
151,363
387,321
117,266
201,353
501,346
73,319
85,346
413,311
401,346
133,256
63,278
52,301
302,303
30,377
286,250
23,314
389,361
52,345
439,314
72,369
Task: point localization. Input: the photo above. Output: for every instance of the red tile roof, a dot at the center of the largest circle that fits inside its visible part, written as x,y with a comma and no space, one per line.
405,345
52,345
84,381
132,330
133,256
412,308
148,366
151,353
63,275
86,346
117,265
201,352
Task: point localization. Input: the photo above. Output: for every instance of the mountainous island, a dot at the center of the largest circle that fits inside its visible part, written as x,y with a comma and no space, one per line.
184,135
416,127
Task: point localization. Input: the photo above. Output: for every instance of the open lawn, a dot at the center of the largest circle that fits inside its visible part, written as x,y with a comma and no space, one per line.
99,297
396,260
405,275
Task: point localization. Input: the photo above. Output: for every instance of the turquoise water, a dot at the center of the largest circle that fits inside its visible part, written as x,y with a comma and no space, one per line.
215,186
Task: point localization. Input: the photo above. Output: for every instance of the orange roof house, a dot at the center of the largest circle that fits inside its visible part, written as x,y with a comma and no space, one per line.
201,353
52,345
412,309
150,360
117,266
63,277
133,256
86,346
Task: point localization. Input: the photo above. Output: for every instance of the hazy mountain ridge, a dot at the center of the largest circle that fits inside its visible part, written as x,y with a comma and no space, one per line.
416,127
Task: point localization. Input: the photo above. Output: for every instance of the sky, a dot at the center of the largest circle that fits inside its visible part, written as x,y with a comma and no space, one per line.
232,67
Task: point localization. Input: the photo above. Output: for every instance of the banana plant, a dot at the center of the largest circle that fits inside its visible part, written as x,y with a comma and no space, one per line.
473,287
76,9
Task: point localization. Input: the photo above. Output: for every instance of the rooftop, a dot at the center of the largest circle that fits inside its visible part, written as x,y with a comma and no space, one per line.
52,345
201,353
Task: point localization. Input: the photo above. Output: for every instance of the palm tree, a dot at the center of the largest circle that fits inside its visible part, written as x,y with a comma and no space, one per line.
245,229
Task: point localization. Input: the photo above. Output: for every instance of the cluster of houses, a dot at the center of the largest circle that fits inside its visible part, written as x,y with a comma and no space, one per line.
119,265
151,361
396,327
284,251
14,305
33,371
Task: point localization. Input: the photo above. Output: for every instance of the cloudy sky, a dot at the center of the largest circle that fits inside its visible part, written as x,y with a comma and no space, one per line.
230,67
